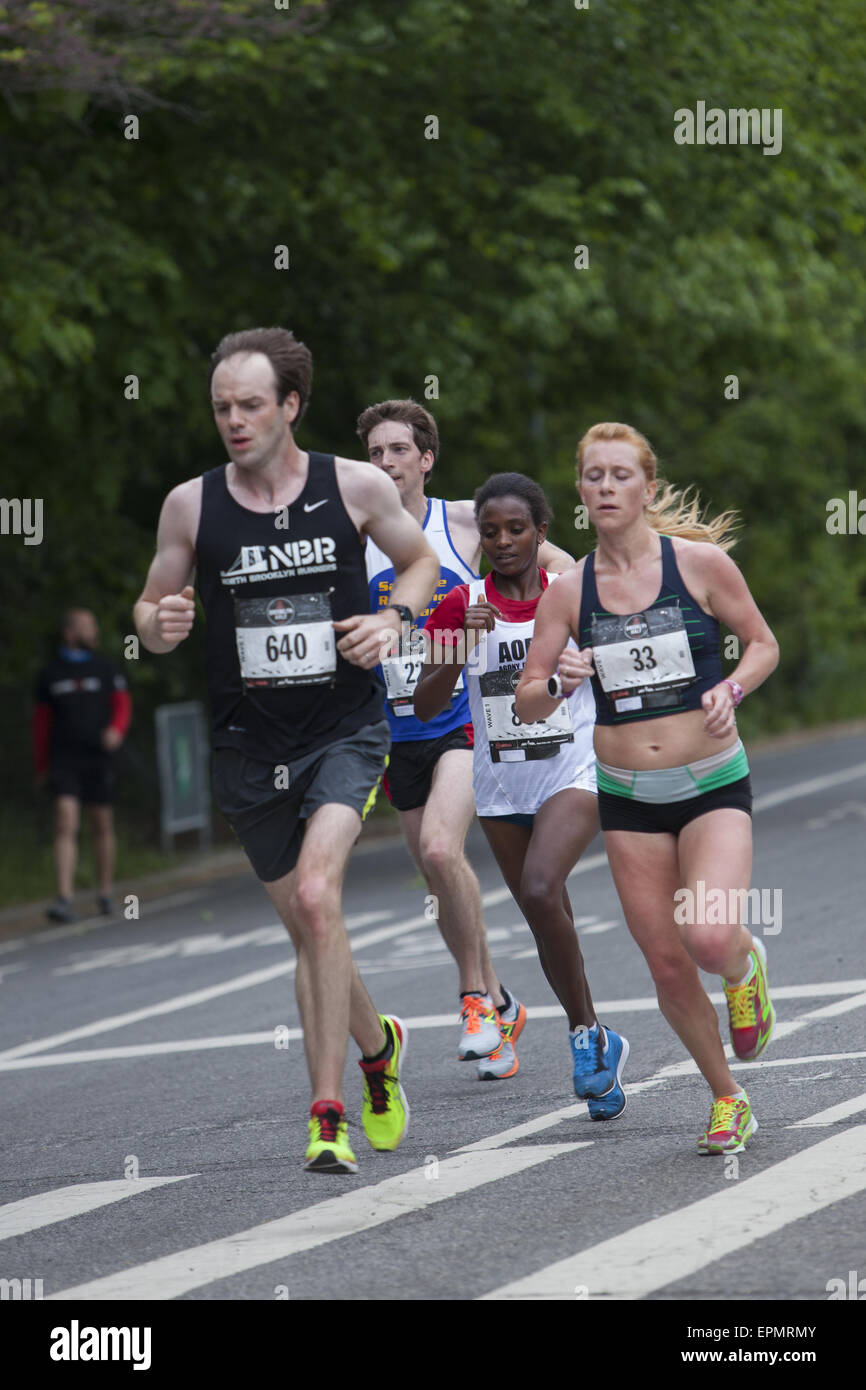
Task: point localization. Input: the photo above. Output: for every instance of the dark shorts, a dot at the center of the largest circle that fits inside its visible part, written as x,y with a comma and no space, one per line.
412,764
522,818
90,778
654,818
268,804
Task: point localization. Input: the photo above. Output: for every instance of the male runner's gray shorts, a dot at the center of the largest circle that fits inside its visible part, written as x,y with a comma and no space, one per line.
268,804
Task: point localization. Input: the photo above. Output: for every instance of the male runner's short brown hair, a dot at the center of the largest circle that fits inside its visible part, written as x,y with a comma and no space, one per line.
291,360
409,412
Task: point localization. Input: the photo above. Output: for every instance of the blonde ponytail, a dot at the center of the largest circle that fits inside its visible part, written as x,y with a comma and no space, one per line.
675,513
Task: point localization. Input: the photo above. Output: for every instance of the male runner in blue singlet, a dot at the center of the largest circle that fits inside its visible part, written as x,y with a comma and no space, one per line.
430,771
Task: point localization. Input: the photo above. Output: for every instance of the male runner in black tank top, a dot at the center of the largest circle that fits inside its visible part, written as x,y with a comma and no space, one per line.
298,728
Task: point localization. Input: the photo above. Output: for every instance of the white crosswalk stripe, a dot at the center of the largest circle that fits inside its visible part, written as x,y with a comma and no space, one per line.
59,1204
676,1246
316,1225
630,1265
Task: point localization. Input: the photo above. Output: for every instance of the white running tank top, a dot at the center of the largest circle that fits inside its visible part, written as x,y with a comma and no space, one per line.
517,766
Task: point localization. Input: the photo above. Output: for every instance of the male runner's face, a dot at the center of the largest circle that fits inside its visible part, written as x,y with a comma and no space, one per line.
253,427
509,537
613,485
82,630
391,446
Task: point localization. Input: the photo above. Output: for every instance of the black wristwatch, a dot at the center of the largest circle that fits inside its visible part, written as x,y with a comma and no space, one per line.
554,687
405,613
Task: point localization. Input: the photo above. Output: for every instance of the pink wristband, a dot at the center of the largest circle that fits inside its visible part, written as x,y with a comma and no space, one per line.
736,690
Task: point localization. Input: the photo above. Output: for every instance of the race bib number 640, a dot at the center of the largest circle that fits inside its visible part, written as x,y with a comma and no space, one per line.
285,641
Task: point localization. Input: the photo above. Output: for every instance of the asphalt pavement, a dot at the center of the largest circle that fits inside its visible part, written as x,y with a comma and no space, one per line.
155,1098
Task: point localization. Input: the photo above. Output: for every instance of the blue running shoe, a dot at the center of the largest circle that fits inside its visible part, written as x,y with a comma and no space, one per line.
612,1103
593,1073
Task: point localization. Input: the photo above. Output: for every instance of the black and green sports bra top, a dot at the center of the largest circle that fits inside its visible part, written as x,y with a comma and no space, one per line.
651,663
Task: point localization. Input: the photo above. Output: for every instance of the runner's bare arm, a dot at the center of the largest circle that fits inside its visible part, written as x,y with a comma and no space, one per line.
373,503
729,600
556,620
436,685
165,610
464,529
439,677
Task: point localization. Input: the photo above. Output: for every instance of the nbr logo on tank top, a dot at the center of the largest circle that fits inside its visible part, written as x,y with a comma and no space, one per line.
256,563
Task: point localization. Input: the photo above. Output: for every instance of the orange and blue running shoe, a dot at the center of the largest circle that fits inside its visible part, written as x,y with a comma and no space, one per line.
750,1009
731,1126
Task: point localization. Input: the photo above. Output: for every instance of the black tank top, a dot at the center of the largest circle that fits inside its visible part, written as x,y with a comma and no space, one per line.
271,583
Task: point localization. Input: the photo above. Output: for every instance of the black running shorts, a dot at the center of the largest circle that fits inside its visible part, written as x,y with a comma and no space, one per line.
669,817
268,804
87,776
412,764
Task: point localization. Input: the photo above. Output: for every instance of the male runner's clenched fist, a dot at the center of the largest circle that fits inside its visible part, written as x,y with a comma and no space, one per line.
174,616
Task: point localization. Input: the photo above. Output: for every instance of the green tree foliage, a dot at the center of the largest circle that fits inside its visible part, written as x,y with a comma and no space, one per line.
452,257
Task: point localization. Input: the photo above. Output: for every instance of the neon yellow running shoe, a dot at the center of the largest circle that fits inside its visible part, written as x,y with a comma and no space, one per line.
731,1126
329,1150
750,1009
385,1110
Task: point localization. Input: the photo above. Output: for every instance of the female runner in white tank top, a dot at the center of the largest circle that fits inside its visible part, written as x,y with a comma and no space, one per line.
535,789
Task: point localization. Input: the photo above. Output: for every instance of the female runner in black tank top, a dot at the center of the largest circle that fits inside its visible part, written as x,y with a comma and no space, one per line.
674,801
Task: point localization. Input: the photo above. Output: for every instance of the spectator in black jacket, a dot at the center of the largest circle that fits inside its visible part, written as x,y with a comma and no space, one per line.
80,718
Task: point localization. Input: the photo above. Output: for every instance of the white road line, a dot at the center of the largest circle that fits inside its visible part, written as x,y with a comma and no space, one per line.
676,1246
834,1114
799,1061
61,1203
247,981
815,784
541,1122
197,996
783,1029
817,991
161,1049
166,1006
316,1225
537,1013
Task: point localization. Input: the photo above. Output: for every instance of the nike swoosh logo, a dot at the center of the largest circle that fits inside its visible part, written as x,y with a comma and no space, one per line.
311,506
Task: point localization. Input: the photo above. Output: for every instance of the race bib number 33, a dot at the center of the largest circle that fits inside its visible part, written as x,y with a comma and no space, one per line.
285,641
642,655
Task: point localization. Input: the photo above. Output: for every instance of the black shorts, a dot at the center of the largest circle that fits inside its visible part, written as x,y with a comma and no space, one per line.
87,776
268,804
669,817
412,764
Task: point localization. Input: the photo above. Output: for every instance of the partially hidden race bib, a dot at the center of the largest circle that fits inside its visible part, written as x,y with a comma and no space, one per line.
401,676
642,660
286,641
510,739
